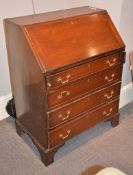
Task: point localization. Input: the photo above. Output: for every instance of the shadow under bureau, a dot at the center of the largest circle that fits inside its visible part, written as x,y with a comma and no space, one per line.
65,68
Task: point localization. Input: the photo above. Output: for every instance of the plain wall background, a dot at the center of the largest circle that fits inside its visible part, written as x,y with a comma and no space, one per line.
120,12
126,31
9,9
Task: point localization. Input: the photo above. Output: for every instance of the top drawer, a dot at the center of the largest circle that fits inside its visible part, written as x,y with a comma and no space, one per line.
72,74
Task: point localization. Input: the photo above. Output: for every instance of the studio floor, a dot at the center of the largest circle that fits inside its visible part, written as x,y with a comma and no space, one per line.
102,145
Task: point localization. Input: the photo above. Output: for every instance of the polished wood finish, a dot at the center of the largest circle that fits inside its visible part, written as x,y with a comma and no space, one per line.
49,46
28,84
87,84
93,170
90,101
65,70
81,123
70,75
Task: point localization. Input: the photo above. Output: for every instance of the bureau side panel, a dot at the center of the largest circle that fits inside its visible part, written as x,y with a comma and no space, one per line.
28,84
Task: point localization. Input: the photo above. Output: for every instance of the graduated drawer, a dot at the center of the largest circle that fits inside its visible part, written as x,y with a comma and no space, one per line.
75,73
76,126
85,85
88,102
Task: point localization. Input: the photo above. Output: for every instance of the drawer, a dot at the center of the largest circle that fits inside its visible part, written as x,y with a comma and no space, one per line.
75,73
76,126
69,111
85,85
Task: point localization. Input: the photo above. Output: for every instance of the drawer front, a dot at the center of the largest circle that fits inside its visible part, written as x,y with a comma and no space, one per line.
85,85
70,75
69,111
76,126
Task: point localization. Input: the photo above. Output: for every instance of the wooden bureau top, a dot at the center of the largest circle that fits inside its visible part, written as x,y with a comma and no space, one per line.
55,15
62,38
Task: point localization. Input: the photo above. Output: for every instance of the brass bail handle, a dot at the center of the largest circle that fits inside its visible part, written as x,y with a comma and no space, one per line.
63,94
63,137
64,81
110,64
64,117
109,96
107,114
110,79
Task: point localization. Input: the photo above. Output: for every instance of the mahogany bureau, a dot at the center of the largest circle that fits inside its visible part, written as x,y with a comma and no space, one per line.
65,69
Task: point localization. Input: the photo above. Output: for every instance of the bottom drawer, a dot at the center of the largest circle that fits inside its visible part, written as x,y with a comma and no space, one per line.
88,120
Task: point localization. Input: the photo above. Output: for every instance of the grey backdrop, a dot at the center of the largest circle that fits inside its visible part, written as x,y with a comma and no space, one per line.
120,11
